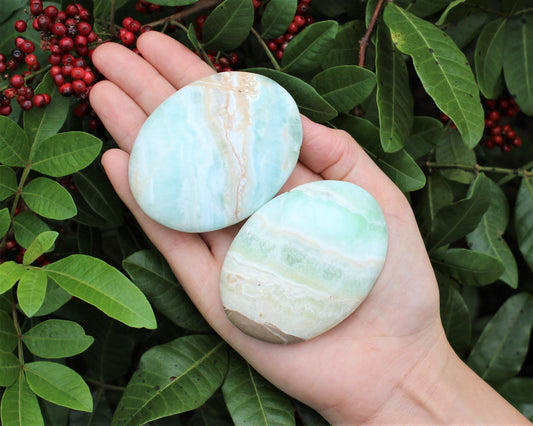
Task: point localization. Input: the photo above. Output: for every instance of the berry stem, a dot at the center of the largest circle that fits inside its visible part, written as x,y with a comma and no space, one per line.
363,43
476,168
44,69
112,28
196,7
104,385
266,49
20,349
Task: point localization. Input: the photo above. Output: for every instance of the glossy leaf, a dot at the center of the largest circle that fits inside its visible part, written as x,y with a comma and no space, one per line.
310,103
489,53
276,17
31,290
518,60
41,123
149,270
306,50
27,226
454,314
394,99
502,347
9,368
8,334
8,182
98,193
428,7
251,399
519,392
173,378
48,198
56,338
345,86
469,267
523,220
20,406
99,284
345,48
487,237
458,219
399,166
54,298
58,384
10,273
42,244
436,194
5,222
442,68
425,134
65,153
464,30
14,145
228,25
174,2
452,151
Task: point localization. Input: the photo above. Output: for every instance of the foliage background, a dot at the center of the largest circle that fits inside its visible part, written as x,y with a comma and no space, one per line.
74,292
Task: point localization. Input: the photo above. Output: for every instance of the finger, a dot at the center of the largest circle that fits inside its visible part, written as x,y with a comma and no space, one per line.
118,64
121,116
173,60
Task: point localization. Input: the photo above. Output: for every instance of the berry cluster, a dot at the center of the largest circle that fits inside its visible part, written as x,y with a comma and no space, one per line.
301,20
497,132
143,6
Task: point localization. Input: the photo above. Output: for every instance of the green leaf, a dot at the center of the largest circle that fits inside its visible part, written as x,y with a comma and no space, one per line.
436,195
56,338
450,8
8,334
41,123
306,50
65,153
489,53
173,378
399,166
9,6
42,244
523,220
428,7
9,368
519,392
5,222
58,384
253,400
309,102
8,182
469,267
502,347
10,273
27,226
442,68
20,406
48,198
14,145
99,284
276,17
518,60
425,134
488,235
149,270
54,298
452,151
345,86
228,25
454,314
31,290
458,219
96,190
345,48
465,29
173,2
394,99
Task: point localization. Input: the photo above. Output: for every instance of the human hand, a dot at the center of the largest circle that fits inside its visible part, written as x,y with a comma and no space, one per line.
365,367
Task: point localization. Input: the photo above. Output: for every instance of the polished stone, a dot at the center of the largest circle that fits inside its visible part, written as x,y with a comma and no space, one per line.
304,261
215,151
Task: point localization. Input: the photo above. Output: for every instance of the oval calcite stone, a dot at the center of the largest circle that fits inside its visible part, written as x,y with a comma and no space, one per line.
304,261
215,151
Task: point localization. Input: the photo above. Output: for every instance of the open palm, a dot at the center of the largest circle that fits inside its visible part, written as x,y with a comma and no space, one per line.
351,371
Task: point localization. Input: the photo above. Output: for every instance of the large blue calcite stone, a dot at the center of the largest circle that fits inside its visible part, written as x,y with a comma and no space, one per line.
304,261
215,151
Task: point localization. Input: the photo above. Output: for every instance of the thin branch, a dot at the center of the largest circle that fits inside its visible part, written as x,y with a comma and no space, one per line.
196,7
266,49
476,168
364,42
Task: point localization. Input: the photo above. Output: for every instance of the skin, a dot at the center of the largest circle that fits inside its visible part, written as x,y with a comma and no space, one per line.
389,362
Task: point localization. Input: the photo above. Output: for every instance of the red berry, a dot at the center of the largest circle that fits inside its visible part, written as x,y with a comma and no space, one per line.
497,139
26,105
47,98
77,73
299,20
61,16
494,115
94,123
19,41
71,10
293,28
233,58
503,104
302,8
78,86
10,93
153,7
491,103
66,70
55,70
17,81
200,20
43,22
272,46
66,44
84,28
257,4
6,110
28,46
31,60
512,111
146,28
141,7
84,14
39,101
36,7
67,59
59,80
127,38
20,26
80,41
126,21
506,148
510,134
517,142
54,59
2,67
92,37
65,89
51,12
134,26
82,109
496,130
279,53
